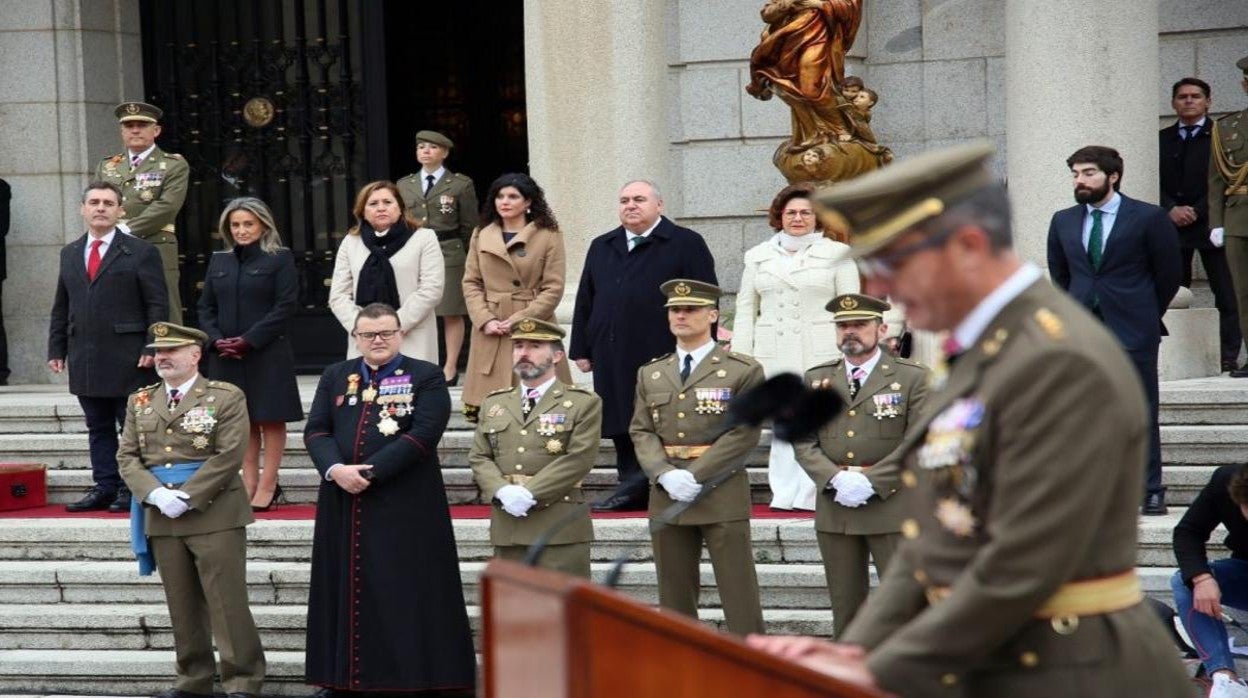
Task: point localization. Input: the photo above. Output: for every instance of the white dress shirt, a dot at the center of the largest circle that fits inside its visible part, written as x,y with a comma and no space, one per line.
697,354
973,325
107,241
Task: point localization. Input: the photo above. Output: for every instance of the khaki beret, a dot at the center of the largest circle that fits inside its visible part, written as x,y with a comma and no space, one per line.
137,111
170,336
848,307
881,205
433,137
536,330
687,292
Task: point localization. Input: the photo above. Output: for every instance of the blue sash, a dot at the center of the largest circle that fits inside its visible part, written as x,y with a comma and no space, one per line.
179,473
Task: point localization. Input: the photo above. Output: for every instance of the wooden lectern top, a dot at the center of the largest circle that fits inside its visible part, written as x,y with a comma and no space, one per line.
550,635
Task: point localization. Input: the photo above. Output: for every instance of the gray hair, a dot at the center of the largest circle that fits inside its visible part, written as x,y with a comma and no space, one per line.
270,239
653,187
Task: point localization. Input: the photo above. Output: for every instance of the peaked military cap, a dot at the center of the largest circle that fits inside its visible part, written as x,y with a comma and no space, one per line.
690,292
170,336
1242,64
856,306
433,137
138,111
881,205
536,330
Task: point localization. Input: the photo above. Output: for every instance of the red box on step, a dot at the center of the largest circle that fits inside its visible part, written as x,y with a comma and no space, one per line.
23,485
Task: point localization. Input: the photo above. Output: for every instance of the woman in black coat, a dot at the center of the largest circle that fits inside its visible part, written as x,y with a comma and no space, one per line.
249,297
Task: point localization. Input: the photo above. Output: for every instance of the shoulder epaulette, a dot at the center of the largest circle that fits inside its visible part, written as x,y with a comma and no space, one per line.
224,385
175,156
908,362
579,389
826,364
500,391
743,358
659,358
1050,324
146,388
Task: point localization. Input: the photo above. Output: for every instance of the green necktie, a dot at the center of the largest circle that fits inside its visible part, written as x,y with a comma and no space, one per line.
1096,240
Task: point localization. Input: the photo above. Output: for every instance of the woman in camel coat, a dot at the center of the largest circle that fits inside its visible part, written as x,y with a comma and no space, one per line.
388,258
515,269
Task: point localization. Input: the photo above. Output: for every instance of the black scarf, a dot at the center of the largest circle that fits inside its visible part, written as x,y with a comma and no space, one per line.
376,283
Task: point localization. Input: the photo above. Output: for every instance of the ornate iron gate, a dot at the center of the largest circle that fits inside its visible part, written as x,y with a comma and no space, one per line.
265,98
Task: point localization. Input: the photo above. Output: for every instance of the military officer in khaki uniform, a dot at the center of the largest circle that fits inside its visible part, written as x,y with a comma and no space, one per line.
447,202
181,450
153,186
1228,200
677,416
534,444
1017,573
852,457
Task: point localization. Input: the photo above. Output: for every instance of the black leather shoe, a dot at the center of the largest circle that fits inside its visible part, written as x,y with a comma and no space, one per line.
1241,372
241,695
122,503
96,499
1155,504
175,693
624,502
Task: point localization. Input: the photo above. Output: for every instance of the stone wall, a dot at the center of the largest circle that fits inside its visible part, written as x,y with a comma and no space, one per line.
67,63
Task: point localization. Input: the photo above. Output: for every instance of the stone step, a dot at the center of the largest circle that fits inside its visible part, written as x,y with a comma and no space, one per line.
774,540
1218,400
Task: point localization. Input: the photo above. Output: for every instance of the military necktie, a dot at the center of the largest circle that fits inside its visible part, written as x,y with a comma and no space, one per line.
530,400
1096,240
134,162
856,383
428,184
687,368
174,398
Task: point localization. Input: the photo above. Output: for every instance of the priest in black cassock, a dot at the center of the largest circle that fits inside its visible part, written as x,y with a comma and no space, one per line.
386,608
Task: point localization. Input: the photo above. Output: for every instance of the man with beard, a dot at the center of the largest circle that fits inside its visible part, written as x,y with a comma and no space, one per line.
534,444
853,457
180,452
1120,258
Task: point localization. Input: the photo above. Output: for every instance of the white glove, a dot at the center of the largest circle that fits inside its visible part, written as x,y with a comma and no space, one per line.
170,502
852,489
680,484
516,500
1217,236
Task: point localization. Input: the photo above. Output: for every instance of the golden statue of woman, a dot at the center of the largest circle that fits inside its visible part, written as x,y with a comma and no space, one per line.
801,57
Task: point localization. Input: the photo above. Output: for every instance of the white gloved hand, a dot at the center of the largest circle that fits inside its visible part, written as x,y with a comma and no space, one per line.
516,500
170,502
1217,236
852,489
680,484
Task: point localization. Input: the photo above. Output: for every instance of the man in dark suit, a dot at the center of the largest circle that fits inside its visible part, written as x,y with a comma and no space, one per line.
110,290
1184,168
5,194
1120,258
619,322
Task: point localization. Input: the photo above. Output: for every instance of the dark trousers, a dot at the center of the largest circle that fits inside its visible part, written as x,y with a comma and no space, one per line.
4,343
1145,363
105,416
1219,273
632,480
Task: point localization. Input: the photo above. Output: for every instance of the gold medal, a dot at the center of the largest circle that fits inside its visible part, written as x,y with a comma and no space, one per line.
387,426
146,196
369,394
200,442
956,517
554,446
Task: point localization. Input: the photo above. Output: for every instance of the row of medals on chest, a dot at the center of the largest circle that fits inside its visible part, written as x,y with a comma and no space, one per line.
886,404
200,420
393,397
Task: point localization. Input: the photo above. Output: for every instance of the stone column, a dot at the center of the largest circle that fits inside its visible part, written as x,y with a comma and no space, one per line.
68,64
596,91
1077,73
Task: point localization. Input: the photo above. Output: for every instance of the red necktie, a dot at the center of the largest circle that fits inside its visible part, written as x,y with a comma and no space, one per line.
93,260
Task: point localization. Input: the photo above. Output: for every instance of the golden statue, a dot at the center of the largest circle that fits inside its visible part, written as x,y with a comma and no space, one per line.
801,57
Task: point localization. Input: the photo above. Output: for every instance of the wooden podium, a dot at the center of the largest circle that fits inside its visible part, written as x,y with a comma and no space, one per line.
550,635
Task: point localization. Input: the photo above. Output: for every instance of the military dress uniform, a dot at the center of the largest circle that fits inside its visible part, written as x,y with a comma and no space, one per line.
548,451
202,554
676,424
450,209
1228,196
1017,573
862,439
151,196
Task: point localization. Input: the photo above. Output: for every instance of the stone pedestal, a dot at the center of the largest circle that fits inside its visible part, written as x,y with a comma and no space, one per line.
1076,73
1192,349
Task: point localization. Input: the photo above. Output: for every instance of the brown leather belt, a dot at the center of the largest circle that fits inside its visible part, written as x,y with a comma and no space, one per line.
1086,597
686,452
523,480
856,468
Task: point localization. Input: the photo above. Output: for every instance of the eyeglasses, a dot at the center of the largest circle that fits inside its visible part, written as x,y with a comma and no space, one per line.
370,336
884,266
807,213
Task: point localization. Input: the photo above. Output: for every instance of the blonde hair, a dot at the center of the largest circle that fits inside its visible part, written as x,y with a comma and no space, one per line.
270,239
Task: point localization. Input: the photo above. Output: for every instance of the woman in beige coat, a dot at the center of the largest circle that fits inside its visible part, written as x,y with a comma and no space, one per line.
515,268
388,258
780,315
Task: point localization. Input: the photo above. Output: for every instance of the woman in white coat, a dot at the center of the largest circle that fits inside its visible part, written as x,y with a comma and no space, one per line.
387,258
780,316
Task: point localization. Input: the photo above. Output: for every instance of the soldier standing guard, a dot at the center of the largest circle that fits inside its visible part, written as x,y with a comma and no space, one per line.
447,202
681,401
1228,200
534,445
853,457
153,187
181,449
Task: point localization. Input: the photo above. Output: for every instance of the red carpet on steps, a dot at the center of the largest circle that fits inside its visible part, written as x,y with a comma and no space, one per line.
308,511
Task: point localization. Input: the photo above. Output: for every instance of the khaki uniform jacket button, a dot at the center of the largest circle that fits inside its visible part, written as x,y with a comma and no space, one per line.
1029,659
949,680
853,413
